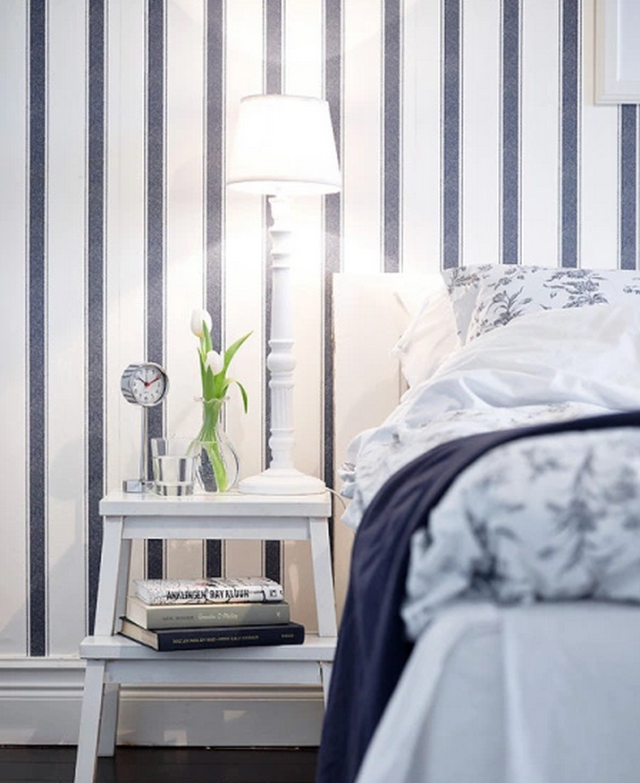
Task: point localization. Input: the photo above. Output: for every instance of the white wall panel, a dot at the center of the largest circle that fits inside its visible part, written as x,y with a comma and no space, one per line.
422,163
184,209
185,248
65,315
245,247
362,144
125,233
303,53
540,133
303,76
480,138
598,163
125,227
13,274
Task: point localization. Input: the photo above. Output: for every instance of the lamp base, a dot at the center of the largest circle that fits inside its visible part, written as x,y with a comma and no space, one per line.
281,481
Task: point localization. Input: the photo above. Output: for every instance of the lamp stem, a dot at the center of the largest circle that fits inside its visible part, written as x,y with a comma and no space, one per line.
281,361
281,478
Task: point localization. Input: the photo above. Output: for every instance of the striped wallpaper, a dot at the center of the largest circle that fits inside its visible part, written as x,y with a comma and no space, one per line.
466,132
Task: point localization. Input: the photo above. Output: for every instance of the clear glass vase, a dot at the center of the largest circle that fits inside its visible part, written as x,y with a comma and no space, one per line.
218,466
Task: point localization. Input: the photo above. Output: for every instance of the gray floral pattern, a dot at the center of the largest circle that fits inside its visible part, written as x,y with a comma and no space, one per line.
463,284
378,454
489,296
551,517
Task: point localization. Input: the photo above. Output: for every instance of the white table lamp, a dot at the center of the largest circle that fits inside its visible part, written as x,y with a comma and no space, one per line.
283,147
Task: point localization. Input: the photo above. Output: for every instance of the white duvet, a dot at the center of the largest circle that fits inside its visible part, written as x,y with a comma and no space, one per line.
545,366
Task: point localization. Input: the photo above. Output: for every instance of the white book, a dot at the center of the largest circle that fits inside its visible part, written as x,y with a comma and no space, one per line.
245,589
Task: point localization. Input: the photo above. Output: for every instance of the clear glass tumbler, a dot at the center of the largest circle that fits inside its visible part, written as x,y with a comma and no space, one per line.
174,466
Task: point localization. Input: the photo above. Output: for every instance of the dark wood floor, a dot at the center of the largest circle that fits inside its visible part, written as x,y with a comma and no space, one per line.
162,765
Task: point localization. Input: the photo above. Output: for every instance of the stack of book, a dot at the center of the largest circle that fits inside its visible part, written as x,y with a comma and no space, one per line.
184,614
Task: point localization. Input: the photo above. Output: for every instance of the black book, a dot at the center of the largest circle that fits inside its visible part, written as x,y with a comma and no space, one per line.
172,639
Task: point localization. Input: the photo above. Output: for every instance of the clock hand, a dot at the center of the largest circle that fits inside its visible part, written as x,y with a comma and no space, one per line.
153,380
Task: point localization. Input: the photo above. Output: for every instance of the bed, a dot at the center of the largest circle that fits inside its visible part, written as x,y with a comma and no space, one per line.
491,621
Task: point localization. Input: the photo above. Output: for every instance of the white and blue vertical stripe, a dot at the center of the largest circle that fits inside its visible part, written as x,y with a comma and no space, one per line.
155,226
95,295
214,201
37,314
146,298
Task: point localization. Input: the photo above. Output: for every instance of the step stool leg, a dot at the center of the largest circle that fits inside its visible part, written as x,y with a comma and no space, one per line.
113,562
90,722
109,720
325,675
322,577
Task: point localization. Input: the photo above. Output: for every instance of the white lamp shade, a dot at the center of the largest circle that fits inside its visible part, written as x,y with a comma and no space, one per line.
284,145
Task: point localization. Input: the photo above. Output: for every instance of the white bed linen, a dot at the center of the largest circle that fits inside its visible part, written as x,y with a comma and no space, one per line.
538,694
545,366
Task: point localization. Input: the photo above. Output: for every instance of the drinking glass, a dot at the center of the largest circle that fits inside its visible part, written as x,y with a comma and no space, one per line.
174,466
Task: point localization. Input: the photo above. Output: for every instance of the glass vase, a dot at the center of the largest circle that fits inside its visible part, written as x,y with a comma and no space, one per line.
218,466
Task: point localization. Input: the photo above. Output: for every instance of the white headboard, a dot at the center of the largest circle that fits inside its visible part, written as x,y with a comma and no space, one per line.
368,319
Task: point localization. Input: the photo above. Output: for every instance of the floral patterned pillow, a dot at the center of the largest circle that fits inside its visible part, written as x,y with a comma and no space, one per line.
463,284
499,293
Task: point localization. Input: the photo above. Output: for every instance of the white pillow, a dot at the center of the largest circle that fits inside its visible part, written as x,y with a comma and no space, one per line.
412,290
431,335
440,325
469,301
507,292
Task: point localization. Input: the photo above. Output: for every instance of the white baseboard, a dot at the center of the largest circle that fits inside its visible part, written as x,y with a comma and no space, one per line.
40,705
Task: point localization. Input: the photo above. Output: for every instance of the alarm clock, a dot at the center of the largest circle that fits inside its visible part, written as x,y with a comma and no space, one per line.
145,384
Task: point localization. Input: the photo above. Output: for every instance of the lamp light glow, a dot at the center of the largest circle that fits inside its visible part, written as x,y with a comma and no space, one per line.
284,146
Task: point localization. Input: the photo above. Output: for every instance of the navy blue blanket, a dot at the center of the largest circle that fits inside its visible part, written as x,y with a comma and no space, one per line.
372,647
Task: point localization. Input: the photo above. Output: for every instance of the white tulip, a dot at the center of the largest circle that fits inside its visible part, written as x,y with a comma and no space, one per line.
197,317
214,362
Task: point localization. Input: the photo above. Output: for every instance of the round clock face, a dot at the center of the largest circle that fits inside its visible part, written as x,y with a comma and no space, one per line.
144,384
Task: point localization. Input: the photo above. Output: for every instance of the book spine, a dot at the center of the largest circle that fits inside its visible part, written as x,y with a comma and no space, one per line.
236,637
206,615
208,595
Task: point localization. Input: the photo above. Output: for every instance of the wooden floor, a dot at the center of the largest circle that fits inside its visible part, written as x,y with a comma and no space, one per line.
162,765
